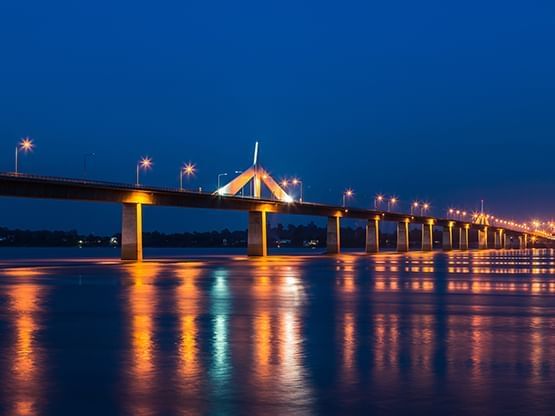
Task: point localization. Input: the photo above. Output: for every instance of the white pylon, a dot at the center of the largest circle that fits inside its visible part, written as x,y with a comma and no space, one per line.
259,176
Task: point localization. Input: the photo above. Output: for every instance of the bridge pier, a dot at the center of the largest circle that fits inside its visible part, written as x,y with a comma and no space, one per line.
447,240
498,239
463,237
373,236
523,241
403,236
132,232
427,237
257,244
483,238
333,236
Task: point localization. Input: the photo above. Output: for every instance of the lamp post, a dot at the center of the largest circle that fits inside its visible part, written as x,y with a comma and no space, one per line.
187,169
413,206
347,194
424,208
25,145
298,182
377,201
85,158
219,178
238,172
144,163
391,203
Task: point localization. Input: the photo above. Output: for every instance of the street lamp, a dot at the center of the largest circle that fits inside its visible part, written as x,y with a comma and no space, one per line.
144,163
296,182
238,172
219,177
187,169
377,201
347,194
26,145
413,206
85,158
424,208
391,203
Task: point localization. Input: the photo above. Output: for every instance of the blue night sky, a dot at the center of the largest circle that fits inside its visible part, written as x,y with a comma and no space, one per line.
445,101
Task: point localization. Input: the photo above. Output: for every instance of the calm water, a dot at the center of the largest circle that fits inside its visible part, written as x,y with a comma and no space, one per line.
226,335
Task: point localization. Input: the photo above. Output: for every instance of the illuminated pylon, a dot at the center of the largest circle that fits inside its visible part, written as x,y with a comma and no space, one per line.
481,218
258,175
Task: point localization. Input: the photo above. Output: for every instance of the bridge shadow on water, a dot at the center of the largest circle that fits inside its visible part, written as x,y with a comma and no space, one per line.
420,333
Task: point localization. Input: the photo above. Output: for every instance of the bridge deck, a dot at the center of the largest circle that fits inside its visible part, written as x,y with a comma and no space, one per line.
31,186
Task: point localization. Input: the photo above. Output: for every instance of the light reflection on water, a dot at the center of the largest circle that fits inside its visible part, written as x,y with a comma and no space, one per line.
456,332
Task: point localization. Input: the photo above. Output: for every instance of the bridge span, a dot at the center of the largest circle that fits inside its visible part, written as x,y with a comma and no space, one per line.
133,197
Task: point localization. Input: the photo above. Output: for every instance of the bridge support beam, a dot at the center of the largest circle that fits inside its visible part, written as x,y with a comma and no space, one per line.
447,240
427,237
132,232
373,236
333,236
523,241
257,244
463,237
403,236
483,238
498,239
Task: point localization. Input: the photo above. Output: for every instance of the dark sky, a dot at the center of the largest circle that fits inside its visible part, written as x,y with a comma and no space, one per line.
438,100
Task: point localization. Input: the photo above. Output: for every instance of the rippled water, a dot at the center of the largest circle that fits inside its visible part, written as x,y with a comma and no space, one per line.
388,334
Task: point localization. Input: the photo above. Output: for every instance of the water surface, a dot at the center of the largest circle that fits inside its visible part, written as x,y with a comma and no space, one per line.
457,333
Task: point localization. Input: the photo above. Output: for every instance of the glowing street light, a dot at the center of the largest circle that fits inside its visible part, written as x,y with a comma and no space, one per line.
219,178
298,182
391,202
378,199
424,208
187,169
413,206
347,194
144,163
26,145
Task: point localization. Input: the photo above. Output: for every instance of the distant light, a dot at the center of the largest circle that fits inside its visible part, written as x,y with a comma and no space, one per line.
284,183
189,169
26,144
145,162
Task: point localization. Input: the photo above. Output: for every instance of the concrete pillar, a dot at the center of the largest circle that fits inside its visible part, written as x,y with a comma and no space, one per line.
427,237
483,238
463,237
403,236
257,244
447,241
132,232
333,237
523,241
498,239
373,236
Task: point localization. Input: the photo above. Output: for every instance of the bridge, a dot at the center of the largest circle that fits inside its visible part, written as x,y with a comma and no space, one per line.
133,197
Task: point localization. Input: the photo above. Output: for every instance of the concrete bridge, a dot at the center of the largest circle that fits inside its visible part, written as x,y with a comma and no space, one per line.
133,197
